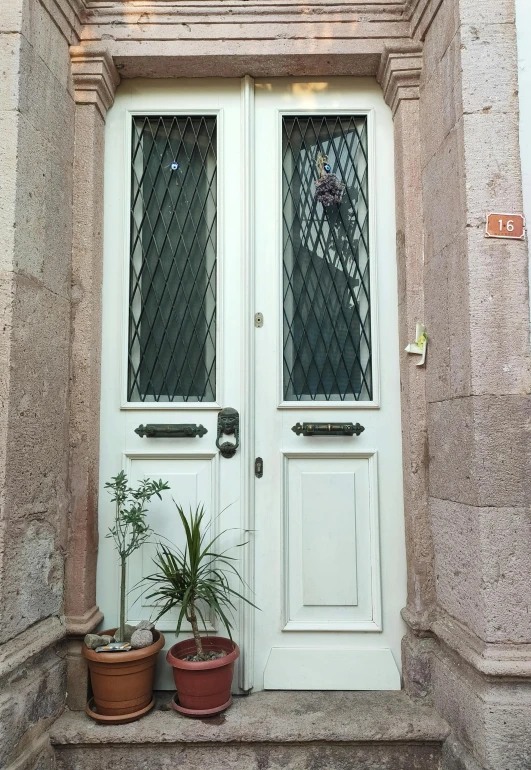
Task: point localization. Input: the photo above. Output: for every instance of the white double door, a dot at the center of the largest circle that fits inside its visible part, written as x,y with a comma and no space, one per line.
229,284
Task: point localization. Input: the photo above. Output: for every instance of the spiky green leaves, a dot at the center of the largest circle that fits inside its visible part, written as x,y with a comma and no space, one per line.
197,578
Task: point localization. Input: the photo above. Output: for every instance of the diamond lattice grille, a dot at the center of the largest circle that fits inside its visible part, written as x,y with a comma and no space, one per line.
172,295
327,326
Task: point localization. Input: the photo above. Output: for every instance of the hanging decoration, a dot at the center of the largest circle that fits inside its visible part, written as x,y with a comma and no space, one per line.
328,188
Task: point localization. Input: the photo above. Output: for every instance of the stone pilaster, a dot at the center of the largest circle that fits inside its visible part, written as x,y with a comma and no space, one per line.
95,79
399,76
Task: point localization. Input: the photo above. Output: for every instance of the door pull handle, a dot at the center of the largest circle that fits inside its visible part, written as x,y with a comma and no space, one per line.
228,424
328,429
179,430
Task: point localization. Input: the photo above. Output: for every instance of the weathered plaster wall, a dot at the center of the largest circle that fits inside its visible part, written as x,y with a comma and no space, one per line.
36,150
478,380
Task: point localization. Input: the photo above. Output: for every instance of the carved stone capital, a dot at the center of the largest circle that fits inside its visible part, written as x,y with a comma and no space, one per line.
83,624
95,77
494,659
399,73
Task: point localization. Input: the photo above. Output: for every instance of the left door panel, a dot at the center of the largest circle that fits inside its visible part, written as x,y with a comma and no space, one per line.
172,289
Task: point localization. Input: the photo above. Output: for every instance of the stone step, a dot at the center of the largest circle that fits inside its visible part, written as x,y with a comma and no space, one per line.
263,731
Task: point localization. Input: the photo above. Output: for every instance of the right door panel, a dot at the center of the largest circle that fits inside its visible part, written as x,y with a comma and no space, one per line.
330,561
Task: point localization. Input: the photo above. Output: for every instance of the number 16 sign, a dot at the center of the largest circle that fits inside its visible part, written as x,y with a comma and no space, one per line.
505,226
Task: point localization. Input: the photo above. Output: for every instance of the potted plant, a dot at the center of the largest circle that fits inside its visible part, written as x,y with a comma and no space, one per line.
197,580
122,673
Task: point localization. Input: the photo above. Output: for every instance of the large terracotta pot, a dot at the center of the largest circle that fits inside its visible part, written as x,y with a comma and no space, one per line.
122,682
203,688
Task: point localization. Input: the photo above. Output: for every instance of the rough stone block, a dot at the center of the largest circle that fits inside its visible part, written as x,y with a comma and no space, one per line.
456,757
9,122
488,68
491,719
503,450
77,677
440,101
294,730
437,319
444,195
498,306
45,101
253,758
50,42
10,74
483,568
417,653
459,318
480,450
11,19
36,465
30,698
492,164
451,450
443,28
492,12
43,222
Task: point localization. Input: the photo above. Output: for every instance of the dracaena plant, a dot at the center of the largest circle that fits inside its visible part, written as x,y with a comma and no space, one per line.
196,579
130,529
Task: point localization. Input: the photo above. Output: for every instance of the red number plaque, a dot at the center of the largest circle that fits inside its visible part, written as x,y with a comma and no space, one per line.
505,226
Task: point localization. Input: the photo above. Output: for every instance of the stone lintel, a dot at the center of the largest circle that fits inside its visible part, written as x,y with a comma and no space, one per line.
399,73
95,76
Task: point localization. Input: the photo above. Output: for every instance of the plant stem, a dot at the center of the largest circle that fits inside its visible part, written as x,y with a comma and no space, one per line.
122,600
195,628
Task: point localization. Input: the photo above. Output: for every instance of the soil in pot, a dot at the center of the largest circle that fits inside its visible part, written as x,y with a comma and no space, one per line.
122,682
203,687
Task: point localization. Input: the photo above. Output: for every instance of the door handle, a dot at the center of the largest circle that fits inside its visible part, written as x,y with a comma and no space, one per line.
328,429
178,430
228,424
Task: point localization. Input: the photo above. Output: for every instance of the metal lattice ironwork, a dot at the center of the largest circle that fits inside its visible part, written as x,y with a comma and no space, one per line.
172,294
327,324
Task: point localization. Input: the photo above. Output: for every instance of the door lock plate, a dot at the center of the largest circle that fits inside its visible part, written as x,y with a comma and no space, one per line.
258,320
258,467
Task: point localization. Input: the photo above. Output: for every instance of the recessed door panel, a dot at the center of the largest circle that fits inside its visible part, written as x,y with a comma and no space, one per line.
331,543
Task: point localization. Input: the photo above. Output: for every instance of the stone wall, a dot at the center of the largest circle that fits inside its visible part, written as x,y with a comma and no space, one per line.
478,381
36,150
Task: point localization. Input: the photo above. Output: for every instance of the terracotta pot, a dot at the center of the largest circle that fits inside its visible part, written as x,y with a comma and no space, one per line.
122,682
203,688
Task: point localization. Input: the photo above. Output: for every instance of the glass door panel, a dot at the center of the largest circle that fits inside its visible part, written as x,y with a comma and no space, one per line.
172,304
327,325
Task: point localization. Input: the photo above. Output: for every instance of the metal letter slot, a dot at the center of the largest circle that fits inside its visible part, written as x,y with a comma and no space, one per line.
328,429
181,430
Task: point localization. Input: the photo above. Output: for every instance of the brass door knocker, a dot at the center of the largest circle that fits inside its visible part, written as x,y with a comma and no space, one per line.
228,424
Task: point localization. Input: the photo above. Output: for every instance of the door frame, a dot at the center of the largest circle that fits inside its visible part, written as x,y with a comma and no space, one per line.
247,487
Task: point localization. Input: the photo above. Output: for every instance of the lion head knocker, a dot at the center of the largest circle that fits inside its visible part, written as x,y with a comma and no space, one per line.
228,424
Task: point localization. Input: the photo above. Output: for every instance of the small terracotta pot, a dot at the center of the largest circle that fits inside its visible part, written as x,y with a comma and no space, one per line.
203,688
122,682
